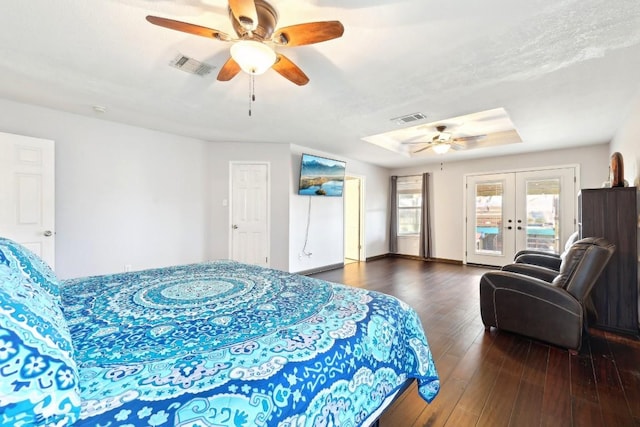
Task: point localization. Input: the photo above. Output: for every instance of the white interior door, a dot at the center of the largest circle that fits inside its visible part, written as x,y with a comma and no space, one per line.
27,193
250,213
513,211
352,226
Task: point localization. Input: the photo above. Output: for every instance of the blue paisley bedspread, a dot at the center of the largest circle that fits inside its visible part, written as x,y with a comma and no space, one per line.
229,344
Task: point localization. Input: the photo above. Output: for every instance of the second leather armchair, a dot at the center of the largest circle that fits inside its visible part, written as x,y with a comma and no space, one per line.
545,259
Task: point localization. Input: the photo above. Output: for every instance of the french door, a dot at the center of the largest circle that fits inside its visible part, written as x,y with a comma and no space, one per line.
509,212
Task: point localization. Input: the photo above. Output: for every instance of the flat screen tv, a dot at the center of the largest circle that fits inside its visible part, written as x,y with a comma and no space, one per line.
320,176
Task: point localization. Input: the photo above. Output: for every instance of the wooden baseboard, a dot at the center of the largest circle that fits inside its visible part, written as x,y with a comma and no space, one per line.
373,258
320,269
414,257
404,256
377,257
447,261
492,267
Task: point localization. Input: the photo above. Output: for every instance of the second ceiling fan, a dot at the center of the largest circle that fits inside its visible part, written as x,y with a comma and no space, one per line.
254,22
443,141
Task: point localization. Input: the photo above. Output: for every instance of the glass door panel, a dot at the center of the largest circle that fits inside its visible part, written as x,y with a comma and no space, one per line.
545,208
543,216
489,218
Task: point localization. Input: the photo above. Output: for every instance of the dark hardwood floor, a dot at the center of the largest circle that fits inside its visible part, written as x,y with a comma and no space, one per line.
495,378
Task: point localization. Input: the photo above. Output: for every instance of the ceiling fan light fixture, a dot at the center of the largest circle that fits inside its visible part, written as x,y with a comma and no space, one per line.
441,147
253,57
444,136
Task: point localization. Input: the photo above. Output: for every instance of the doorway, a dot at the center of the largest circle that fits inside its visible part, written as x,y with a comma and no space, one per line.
249,213
513,211
353,219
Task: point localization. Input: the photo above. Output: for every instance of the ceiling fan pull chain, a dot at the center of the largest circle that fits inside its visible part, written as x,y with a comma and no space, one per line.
253,87
252,92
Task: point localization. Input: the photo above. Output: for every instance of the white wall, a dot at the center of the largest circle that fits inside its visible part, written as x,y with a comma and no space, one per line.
124,195
128,195
279,159
447,186
132,196
627,143
326,226
409,245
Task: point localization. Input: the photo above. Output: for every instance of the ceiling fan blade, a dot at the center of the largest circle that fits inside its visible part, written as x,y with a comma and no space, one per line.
185,27
245,13
457,147
422,149
415,142
229,70
290,71
469,138
309,33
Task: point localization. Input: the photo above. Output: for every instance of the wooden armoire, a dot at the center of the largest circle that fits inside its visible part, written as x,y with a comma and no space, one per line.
613,213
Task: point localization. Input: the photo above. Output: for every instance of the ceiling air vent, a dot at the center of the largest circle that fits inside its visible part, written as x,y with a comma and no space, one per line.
409,118
191,65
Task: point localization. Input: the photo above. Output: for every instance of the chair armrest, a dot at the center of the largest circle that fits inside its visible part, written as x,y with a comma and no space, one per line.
535,252
543,273
531,307
499,281
549,261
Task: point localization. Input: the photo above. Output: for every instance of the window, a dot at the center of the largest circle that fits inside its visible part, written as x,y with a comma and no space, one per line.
409,191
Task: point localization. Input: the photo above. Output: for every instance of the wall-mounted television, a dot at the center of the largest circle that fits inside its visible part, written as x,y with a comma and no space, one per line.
320,176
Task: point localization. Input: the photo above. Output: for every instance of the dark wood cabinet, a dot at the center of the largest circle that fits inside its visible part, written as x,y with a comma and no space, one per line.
612,213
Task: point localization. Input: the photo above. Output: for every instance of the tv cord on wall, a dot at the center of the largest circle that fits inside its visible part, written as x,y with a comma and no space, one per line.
306,235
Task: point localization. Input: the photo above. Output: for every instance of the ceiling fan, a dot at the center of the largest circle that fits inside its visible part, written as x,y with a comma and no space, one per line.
443,141
254,22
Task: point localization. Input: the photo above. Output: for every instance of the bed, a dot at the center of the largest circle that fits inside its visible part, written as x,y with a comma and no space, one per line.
212,344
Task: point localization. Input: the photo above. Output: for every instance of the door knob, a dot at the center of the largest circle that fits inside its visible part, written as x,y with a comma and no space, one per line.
235,227
47,233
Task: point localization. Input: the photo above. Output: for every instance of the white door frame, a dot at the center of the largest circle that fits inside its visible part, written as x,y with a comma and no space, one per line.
577,187
268,213
362,256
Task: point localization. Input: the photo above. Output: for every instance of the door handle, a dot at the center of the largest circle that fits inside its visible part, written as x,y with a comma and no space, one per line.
235,227
47,233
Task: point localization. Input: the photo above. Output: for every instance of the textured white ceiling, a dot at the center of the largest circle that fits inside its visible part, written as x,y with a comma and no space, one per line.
566,72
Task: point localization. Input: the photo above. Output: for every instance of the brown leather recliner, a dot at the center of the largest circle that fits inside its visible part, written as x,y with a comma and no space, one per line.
547,310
